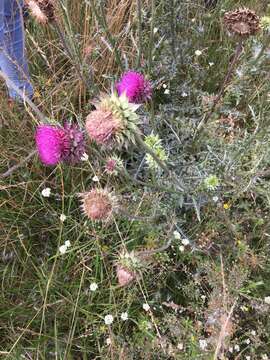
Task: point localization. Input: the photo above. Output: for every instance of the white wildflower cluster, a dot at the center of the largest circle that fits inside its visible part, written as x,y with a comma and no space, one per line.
184,240
63,248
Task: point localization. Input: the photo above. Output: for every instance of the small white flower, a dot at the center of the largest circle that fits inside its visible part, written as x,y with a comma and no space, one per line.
184,94
93,286
267,300
164,86
95,178
215,198
211,64
237,348
62,249
108,319
253,332
180,346
124,316
181,248
166,92
108,341
203,344
198,53
247,341
176,235
67,243
248,357
193,20
155,30
265,357
146,307
46,192
185,241
63,217
84,157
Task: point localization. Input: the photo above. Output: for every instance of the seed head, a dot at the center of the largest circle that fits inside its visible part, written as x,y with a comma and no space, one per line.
242,22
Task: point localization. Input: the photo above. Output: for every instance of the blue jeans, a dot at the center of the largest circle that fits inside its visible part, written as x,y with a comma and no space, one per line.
13,61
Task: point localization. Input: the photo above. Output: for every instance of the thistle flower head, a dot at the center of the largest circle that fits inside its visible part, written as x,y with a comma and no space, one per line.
56,144
124,276
42,10
49,142
99,204
73,144
128,266
113,122
242,22
112,165
137,89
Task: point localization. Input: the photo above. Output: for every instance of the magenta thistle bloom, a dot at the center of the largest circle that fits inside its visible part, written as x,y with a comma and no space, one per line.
49,141
135,86
56,144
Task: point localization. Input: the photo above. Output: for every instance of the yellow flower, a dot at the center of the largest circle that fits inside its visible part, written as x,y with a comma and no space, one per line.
226,206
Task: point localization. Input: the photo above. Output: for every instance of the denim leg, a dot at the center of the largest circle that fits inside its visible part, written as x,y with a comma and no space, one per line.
13,61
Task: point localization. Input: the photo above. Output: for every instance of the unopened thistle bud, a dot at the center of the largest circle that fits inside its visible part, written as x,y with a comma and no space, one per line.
113,122
211,182
99,204
127,268
155,143
112,165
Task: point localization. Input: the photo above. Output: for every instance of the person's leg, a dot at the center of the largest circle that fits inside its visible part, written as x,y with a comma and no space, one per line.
13,61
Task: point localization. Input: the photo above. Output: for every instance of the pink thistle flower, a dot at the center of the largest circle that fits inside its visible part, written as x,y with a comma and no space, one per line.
101,126
49,141
111,166
124,276
135,86
55,144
